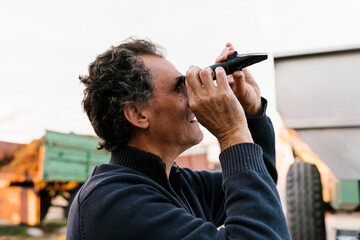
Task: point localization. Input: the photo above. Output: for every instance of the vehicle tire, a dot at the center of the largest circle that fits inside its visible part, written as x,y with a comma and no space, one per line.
304,202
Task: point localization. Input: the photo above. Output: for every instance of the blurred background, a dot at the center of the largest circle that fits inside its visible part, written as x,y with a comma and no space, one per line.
46,45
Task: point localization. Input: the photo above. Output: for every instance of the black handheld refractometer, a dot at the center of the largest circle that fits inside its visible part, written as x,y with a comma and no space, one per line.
236,62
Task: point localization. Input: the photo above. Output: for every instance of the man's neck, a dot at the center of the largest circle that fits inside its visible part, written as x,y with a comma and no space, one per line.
167,153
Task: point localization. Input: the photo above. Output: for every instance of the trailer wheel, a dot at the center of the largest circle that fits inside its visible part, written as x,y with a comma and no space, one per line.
305,206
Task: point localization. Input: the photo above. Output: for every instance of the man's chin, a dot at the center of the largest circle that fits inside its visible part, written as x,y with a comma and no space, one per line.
199,138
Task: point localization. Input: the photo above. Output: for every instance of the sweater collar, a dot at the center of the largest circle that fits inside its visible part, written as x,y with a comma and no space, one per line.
145,162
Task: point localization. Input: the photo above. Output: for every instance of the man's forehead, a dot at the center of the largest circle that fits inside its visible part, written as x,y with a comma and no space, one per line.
161,67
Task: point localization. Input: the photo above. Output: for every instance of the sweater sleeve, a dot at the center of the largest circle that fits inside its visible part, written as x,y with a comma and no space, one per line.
208,185
253,206
253,209
262,131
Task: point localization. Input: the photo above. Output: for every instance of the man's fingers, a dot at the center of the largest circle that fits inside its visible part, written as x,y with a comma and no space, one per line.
192,78
229,45
221,78
228,50
206,76
223,56
239,80
248,76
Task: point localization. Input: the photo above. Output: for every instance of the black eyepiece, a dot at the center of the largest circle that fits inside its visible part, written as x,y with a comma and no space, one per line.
236,62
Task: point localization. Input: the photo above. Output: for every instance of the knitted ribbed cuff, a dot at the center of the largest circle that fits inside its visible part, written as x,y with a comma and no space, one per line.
242,157
258,125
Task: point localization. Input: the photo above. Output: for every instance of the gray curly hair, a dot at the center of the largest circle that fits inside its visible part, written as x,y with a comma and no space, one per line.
117,77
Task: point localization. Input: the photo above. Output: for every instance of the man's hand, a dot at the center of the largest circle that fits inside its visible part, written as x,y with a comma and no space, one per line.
216,107
244,86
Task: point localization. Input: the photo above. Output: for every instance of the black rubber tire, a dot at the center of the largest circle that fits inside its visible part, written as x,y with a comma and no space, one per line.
304,202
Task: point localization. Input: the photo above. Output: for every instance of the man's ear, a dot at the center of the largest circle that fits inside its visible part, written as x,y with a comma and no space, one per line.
136,115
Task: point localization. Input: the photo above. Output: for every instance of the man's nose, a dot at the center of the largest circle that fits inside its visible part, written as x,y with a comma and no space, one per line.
184,96
186,99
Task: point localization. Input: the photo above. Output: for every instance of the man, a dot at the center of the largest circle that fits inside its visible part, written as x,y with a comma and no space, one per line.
145,115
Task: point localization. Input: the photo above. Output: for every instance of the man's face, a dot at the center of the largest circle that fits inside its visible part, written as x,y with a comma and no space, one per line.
171,123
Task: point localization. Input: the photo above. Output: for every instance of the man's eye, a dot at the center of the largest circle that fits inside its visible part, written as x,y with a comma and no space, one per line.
180,85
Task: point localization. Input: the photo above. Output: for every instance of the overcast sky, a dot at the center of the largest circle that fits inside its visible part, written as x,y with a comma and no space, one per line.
45,45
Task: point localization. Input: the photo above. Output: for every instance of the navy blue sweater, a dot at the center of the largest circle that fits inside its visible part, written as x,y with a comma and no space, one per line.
132,198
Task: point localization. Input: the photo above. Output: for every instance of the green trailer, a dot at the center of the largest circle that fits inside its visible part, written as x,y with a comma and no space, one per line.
70,157
32,175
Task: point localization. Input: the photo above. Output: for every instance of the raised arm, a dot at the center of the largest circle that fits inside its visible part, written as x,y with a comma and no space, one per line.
253,209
